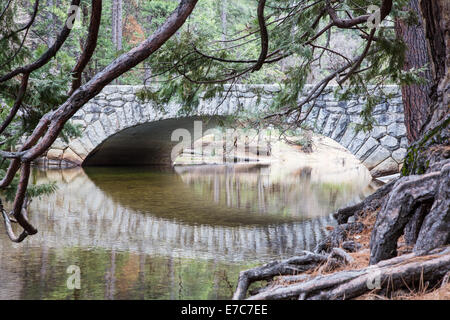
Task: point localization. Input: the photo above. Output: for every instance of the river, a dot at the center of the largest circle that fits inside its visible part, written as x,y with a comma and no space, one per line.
182,233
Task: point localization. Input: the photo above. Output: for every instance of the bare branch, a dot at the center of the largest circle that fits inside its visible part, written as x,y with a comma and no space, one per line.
359,60
6,8
232,77
28,25
50,53
17,103
119,66
27,28
30,142
19,201
7,221
332,51
264,36
242,61
385,9
91,44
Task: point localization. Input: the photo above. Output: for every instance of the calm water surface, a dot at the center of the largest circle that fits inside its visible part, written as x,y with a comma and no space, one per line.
183,233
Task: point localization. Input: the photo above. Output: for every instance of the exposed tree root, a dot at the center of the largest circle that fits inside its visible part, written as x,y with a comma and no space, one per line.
405,271
417,206
403,212
435,230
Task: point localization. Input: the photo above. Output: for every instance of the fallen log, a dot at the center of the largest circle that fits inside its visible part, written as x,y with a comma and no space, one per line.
291,266
406,271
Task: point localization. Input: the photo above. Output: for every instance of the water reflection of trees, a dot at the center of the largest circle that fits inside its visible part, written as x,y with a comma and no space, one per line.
253,187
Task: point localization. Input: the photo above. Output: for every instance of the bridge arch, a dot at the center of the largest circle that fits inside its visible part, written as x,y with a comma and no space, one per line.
116,116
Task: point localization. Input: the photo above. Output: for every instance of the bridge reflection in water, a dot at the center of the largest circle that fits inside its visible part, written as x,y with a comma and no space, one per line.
144,233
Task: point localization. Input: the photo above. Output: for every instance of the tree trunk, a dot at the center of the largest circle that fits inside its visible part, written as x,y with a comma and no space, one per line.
117,24
416,98
113,21
291,266
433,145
224,20
436,16
418,204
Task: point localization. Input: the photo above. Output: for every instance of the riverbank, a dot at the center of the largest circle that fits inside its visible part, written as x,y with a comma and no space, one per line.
361,260
331,276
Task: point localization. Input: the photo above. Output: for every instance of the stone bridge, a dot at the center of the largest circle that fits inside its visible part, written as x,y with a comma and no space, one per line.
119,129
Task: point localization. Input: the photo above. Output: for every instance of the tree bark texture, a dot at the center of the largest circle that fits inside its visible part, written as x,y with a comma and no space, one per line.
408,194
416,97
223,17
117,9
436,17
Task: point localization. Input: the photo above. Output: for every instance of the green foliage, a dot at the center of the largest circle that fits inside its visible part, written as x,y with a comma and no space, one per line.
10,41
180,74
187,75
182,70
70,131
47,86
40,190
33,190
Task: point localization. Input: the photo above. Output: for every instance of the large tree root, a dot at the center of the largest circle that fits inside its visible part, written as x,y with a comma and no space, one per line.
405,211
435,230
406,271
